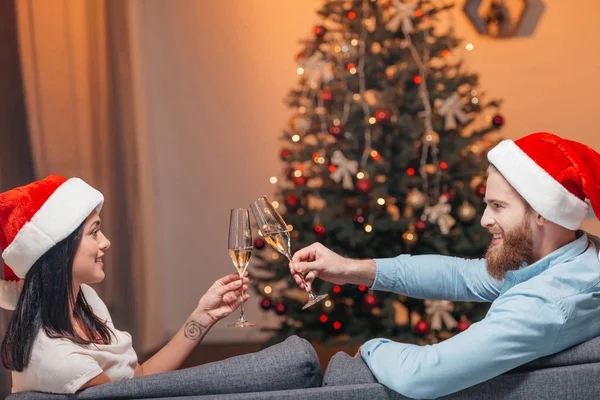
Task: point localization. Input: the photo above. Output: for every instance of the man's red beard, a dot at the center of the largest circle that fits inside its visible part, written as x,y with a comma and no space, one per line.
516,249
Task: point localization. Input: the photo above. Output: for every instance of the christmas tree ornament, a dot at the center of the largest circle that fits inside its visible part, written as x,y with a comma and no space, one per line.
440,214
498,120
300,124
320,230
466,212
316,70
259,243
415,199
326,95
452,110
393,211
420,226
463,324
429,169
382,115
422,327
440,311
299,180
345,170
481,189
336,130
400,313
315,203
285,154
364,185
371,300
401,17
320,31
280,308
291,200
265,304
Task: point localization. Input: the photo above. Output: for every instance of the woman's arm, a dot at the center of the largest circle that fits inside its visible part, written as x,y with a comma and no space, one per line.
220,300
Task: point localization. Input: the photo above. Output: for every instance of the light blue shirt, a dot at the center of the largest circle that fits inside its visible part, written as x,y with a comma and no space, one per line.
538,310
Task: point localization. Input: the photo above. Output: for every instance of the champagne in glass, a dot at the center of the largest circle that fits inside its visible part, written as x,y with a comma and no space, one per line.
240,250
274,229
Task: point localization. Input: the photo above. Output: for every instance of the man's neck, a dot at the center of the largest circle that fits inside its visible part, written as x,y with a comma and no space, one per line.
553,243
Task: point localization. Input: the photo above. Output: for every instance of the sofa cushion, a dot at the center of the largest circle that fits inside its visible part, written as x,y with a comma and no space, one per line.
292,364
584,353
344,369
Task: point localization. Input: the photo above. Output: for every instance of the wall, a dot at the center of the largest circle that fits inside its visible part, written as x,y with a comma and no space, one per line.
215,74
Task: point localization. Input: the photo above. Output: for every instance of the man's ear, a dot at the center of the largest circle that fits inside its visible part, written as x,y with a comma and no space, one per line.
539,220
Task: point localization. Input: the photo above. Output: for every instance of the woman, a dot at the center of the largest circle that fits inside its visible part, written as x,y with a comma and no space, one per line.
61,338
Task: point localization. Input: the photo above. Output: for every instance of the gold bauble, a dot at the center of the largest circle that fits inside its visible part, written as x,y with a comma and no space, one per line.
430,168
431,137
415,199
380,178
466,212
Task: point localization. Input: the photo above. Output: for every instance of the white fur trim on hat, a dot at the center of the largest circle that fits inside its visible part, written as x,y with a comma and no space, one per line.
543,193
66,208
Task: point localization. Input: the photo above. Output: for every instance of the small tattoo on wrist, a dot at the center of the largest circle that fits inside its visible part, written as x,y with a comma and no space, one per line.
192,330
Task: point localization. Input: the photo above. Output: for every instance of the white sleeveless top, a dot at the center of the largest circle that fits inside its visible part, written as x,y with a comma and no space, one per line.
61,366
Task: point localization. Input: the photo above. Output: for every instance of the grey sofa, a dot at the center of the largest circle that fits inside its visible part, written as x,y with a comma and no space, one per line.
290,370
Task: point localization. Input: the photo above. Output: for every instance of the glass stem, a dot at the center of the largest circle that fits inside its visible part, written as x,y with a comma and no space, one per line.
242,298
310,293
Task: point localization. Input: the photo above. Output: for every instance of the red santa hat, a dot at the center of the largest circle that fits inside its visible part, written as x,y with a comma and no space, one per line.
33,218
554,175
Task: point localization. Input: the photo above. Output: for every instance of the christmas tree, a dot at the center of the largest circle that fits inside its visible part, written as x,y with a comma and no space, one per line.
385,154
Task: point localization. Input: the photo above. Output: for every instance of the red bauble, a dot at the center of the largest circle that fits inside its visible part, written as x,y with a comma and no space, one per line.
299,180
498,120
320,230
364,185
265,304
284,154
481,190
280,309
422,327
463,325
362,288
371,300
320,31
323,318
382,115
420,226
291,199
336,130
337,289
337,325
259,243
326,95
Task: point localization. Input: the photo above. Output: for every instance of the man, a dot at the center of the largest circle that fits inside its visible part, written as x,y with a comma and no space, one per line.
541,274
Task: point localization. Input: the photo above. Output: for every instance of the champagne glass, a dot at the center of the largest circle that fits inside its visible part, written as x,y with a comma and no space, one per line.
240,249
274,229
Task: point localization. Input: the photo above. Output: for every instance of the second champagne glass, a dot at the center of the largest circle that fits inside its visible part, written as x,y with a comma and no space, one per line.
274,229
240,249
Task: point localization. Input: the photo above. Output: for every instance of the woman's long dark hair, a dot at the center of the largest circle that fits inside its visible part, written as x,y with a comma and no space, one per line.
45,303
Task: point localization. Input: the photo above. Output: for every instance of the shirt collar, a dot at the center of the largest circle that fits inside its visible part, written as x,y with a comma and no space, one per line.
558,256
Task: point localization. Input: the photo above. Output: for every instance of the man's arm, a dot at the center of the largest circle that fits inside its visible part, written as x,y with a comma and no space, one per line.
519,329
431,277
436,278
